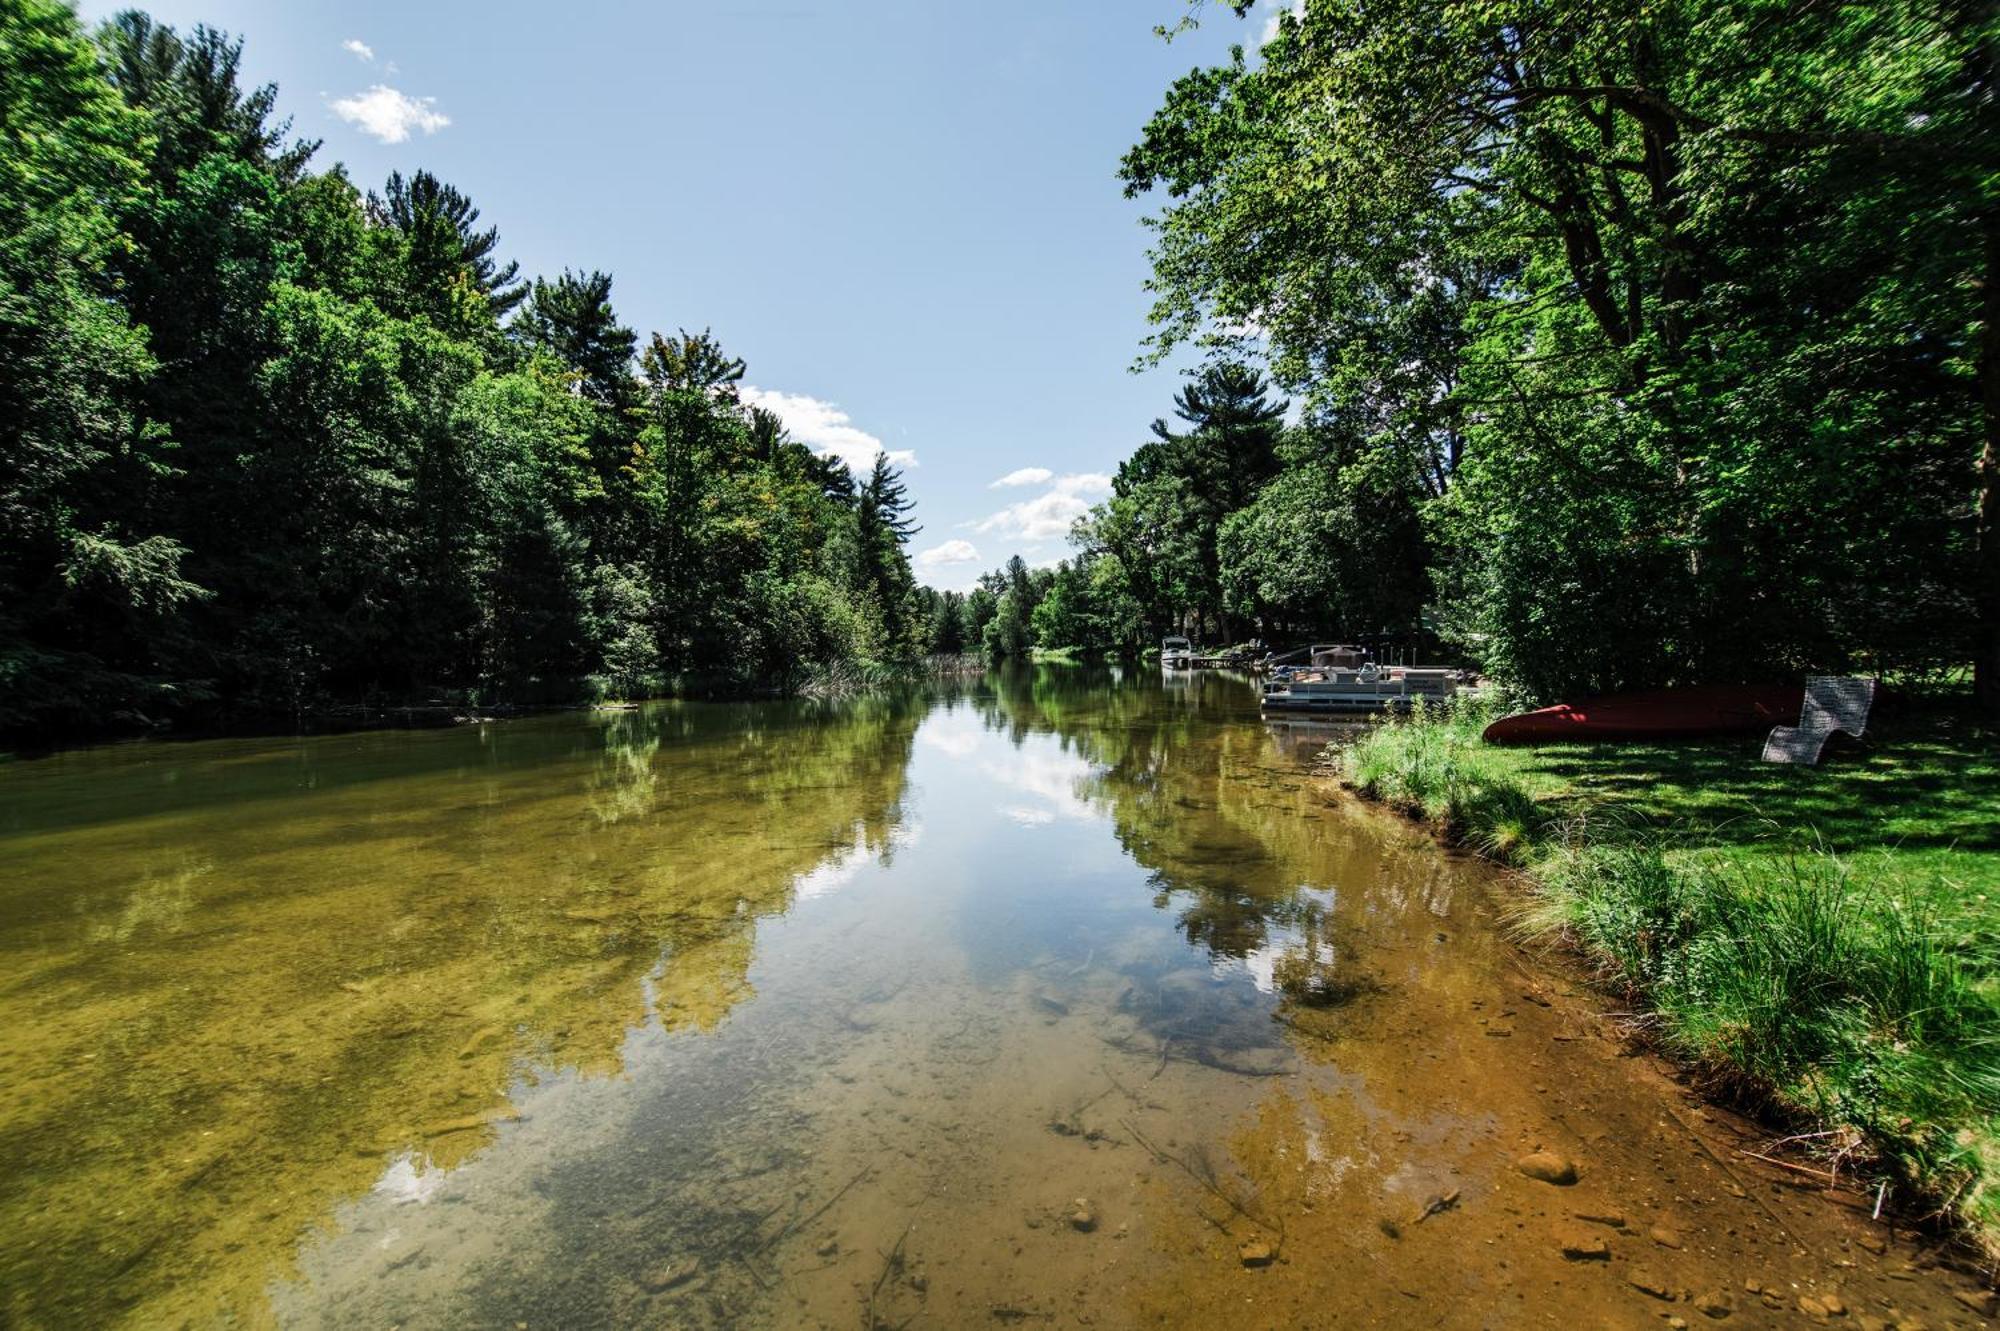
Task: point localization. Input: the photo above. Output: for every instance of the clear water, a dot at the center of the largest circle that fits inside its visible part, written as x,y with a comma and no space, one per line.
773,1014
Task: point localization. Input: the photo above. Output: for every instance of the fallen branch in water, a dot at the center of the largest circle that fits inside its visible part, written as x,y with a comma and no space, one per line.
891,1263
796,1225
1830,1178
1205,1179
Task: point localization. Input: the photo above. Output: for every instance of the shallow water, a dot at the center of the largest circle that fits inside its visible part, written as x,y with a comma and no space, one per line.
822,1015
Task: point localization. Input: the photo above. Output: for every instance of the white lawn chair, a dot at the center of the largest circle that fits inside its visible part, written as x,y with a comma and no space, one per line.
1834,704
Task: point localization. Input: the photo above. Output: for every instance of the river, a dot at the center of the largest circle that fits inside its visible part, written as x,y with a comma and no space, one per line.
1067,997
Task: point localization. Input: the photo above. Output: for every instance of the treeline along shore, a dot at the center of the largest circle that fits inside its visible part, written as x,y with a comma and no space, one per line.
274,445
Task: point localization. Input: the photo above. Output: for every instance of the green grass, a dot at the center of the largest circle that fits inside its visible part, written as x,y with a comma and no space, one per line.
1826,940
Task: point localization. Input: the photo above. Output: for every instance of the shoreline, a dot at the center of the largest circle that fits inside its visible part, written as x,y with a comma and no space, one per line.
354,717
1622,902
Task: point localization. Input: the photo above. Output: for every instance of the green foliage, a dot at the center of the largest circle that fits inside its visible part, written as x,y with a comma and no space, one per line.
86,573
268,444
1429,763
1327,548
1171,498
1667,319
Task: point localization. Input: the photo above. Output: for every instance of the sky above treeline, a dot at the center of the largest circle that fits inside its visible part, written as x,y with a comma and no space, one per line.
904,215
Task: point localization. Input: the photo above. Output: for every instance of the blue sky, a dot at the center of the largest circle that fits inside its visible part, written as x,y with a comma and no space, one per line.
903,215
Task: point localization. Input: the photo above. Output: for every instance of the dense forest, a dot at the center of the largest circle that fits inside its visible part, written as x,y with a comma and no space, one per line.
1596,347
271,442
1628,345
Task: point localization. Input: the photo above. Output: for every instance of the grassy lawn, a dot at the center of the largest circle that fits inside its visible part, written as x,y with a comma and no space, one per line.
1920,802
1824,939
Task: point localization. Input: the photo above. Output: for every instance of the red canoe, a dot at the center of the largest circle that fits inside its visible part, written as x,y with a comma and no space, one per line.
1707,709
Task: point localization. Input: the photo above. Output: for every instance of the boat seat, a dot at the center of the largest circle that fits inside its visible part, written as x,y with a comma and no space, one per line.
1834,704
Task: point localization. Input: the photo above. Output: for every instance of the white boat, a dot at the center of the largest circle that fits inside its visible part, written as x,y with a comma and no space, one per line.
1354,689
1175,653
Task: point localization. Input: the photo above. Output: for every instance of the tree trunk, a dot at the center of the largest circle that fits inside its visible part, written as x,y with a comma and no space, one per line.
1986,560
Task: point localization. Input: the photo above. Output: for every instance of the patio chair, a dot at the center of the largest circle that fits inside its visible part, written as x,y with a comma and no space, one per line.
1834,704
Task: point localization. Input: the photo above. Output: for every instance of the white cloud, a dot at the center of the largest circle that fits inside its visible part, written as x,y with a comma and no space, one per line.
359,49
1024,476
389,115
951,552
1274,10
1054,781
825,428
1050,513
949,736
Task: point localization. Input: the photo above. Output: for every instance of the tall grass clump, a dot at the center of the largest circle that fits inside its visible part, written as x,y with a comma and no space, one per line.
1807,982
1432,764
839,678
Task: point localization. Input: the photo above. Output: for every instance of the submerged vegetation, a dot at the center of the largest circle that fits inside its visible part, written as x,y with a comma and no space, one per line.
1822,940
271,441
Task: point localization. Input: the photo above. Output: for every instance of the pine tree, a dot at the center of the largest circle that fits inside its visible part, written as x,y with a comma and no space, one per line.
571,318
440,226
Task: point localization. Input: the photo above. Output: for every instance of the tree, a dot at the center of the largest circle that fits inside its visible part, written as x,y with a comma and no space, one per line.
85,576
1171,497
1671,310
948,629
572,320
195,105
692,362
882,518
451,271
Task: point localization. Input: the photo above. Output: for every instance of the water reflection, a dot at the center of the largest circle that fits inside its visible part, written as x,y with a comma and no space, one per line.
241,975
717,1014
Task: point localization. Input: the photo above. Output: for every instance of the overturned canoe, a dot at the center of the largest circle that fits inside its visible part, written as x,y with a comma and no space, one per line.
1687,713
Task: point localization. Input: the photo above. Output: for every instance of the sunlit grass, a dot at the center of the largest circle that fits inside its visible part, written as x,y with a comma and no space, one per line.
1821,939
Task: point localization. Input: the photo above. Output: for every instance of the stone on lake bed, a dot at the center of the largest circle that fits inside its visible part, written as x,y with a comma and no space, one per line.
1548,1167
1081,1217
670,1275
1665,1237
1981,1301
1714,1303
1579,1245
1646,1282
1255,1252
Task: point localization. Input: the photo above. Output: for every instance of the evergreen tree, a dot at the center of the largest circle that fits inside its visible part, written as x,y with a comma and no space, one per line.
447,259
572,320
884,526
